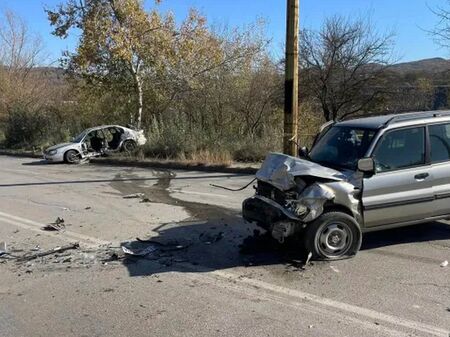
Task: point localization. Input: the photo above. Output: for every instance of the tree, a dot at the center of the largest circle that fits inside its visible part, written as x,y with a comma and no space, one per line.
117,36
441,31
341,66
20,52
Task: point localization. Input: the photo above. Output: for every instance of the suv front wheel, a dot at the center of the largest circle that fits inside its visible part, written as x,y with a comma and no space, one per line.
333,236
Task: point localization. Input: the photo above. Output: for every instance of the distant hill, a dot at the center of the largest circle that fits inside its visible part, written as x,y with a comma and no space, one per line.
427,66
433,68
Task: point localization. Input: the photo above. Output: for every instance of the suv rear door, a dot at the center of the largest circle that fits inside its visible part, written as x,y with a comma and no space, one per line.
401,190
440,165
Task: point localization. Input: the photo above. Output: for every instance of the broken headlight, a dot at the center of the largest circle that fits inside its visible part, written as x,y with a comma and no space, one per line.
296,207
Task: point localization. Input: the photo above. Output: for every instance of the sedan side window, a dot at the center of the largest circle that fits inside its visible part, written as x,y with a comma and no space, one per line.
440,142
400,149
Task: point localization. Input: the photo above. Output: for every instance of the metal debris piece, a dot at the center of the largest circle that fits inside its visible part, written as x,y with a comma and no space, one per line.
139,252
333,268
49,252
88,207
3,249
444,264
58,225
134,196
145,199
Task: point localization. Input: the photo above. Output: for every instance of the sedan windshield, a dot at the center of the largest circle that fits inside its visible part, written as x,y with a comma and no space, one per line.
342,147
79,138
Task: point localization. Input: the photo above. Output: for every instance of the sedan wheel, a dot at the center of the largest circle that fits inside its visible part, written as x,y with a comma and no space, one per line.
129,146
72,157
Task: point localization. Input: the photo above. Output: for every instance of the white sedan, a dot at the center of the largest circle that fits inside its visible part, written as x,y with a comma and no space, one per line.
95,142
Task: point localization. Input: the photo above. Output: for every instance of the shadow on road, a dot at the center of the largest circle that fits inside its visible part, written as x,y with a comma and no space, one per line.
41,162
433,231
216,238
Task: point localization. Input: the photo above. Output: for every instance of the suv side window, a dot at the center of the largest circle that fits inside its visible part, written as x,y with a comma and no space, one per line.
440,142
400,149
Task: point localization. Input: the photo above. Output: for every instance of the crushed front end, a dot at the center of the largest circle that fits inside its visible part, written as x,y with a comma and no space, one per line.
291,192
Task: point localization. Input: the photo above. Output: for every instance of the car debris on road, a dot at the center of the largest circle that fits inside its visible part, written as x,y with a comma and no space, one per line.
58,225
3,249
55,250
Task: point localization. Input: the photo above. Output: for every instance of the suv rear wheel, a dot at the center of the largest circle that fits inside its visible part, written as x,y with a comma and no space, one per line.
333,236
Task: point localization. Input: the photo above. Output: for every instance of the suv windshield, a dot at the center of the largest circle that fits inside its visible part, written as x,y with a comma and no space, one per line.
342,147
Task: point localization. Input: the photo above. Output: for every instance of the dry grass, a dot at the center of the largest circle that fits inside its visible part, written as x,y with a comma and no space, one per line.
222,157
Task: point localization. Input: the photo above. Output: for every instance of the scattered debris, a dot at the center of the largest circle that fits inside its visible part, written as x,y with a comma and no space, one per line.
88,207
333,268
145,199
3,249
56,250
150,241
58,225
232,189
139,252
211,238
134,196
308,259
444,264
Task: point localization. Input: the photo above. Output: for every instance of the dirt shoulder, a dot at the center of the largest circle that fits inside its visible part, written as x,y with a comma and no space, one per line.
243,168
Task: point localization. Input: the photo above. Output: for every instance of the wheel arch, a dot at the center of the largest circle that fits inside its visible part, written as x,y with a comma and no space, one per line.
332,207
68,150
127,140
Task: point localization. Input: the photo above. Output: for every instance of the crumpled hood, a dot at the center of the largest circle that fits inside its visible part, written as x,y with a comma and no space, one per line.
58,146
280,171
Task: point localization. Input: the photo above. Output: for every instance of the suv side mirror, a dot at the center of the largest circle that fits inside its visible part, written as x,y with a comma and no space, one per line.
366,165
303,152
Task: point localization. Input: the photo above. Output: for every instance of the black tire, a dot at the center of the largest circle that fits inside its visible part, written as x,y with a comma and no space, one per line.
129,146
72,157
333,236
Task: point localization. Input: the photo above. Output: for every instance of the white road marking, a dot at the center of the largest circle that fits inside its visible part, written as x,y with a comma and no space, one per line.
37,227
303,306
370,314
336,305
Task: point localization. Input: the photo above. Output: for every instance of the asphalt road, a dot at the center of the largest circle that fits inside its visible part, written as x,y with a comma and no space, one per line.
197,282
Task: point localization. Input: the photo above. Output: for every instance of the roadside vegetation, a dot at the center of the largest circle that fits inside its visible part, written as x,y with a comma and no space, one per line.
201,92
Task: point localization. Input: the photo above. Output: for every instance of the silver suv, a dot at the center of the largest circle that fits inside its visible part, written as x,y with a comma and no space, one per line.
361,175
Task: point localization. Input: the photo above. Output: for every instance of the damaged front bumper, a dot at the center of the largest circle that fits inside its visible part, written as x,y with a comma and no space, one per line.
265,212
291,193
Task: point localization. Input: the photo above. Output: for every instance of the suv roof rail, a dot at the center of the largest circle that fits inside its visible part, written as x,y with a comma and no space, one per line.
416,115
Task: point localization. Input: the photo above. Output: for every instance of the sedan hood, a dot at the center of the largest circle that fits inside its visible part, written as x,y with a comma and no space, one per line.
58,146
280,171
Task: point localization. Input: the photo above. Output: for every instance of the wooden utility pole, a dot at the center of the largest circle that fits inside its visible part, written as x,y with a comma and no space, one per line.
291,80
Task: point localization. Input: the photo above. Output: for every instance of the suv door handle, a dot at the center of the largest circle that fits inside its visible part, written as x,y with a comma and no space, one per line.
421,176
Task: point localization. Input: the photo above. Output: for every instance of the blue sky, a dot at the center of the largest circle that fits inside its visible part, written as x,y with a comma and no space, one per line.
408,18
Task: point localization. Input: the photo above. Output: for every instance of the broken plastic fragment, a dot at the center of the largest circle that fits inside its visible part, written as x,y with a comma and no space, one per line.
134,196
58,225
139,252
3,249
444,264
